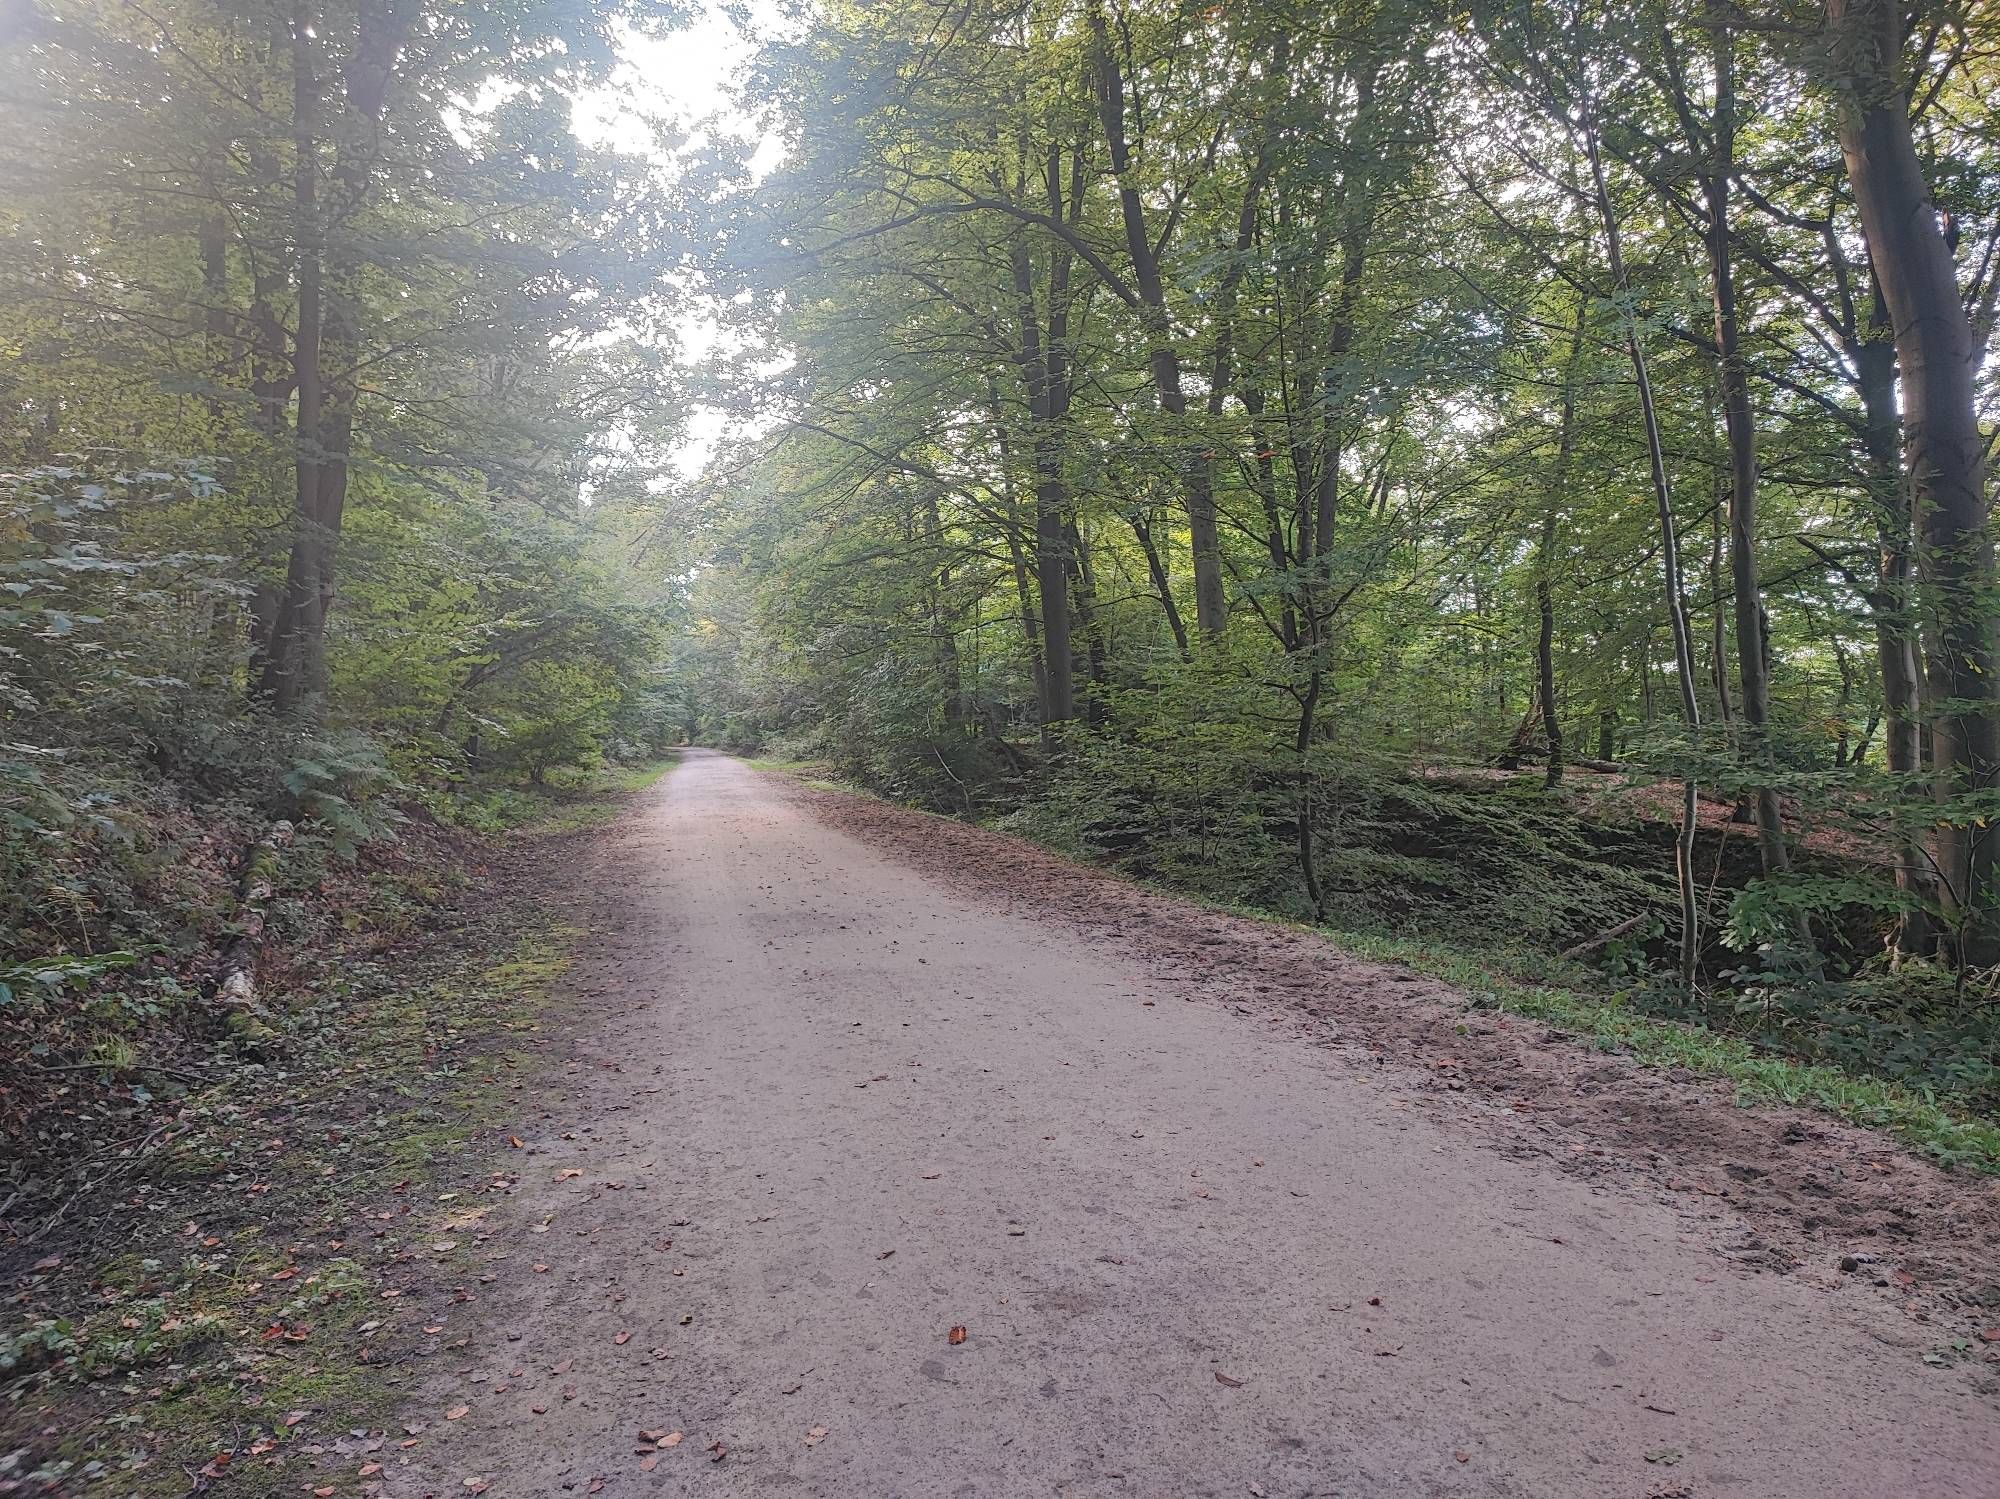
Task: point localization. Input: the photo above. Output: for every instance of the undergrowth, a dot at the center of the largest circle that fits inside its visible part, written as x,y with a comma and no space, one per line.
227,1313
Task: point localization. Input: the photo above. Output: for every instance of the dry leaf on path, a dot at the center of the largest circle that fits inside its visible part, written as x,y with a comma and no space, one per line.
456,1411
956,1336
1224,1379
815,1436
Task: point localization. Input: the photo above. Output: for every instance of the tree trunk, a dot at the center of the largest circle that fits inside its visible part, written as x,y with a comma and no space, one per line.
1211,604
1552,513
1051,503
284,680
1739,421
329,336
1895,619
1935,349
1670,561
1156,568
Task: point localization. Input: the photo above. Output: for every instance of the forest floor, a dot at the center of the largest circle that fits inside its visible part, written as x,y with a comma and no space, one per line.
890,1156
769,1136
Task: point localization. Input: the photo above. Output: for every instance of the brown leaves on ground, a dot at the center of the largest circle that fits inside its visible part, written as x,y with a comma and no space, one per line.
1224,1379
956,1336
815,1435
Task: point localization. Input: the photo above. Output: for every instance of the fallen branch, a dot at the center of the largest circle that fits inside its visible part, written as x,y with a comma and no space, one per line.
236,983
1603,938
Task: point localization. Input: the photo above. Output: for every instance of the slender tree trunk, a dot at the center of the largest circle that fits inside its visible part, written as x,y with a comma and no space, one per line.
1936,350
1894,609
1545,658
1156,568
284,681
1670,562
1084,592
1739,421
329,335
1051,504
1552,514
1024,596
1211,604
1264,478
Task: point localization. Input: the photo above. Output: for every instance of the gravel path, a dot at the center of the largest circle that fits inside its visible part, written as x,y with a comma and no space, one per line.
835,1110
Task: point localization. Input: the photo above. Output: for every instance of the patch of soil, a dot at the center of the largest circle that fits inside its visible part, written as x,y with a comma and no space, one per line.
1795,1191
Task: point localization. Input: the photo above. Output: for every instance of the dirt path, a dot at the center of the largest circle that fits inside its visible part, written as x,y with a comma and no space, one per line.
836,1110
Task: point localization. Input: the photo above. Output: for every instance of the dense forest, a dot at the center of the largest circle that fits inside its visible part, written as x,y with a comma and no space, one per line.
1515,473
1511,475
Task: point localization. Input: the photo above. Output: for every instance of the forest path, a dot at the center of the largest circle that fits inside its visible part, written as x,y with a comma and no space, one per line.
843,1110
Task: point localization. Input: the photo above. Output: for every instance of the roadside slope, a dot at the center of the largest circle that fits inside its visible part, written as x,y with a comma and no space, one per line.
844,1109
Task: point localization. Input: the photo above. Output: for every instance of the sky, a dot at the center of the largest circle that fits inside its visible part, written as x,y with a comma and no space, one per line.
686,76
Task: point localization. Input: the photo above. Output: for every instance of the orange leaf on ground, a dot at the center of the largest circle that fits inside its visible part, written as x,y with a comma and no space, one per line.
956,1336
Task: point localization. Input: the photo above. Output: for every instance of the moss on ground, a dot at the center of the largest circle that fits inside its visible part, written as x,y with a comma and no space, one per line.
247,1324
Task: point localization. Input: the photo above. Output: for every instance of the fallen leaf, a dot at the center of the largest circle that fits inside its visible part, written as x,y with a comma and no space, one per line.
1224,1379
815,1435
671,1439
457,1411
1464,1457
569,1175
649,1462
563,1367
885,1254
622,1339
955,1336
717,1452
515,1141
475,1485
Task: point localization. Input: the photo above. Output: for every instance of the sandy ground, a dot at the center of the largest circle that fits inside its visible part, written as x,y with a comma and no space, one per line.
833,1105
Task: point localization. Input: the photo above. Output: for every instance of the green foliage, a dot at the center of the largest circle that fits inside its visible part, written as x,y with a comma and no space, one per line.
1341,274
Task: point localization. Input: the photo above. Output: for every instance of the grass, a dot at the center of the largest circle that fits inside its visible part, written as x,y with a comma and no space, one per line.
1950,1136
568,803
